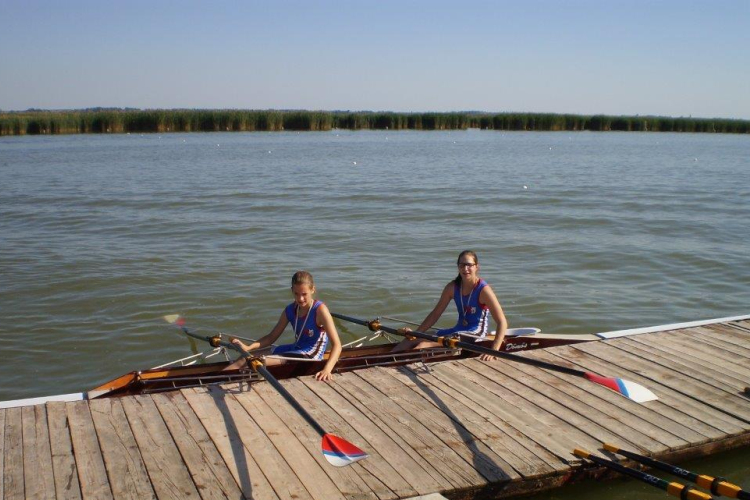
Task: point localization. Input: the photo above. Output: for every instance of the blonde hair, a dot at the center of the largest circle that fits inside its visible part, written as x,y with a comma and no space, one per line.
302,278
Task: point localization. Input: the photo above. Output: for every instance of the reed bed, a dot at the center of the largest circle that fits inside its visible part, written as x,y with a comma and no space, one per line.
197,120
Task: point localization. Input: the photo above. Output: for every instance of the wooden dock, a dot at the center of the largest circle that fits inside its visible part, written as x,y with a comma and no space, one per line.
466,429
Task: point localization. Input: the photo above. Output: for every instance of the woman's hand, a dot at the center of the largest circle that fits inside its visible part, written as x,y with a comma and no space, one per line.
324,375
487,357
240,344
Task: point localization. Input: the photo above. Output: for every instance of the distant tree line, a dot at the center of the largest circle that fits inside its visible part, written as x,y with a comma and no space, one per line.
108,120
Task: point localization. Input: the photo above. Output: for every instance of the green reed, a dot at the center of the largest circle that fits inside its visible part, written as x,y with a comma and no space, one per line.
102,121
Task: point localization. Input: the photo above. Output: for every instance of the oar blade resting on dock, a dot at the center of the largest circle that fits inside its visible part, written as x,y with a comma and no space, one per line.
629,389
339,452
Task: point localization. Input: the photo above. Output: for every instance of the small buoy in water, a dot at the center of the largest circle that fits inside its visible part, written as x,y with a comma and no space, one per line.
550,148
526,187
695,159
354,162
269,152
218,145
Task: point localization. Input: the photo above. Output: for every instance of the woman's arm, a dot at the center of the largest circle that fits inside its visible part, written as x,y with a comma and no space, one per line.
323,319
439,309
487,296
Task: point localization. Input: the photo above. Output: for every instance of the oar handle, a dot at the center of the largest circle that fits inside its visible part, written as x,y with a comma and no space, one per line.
672,488
716,485
375,325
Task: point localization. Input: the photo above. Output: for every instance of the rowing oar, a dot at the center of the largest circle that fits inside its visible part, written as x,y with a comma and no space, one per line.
630,390
716,485
674,489
338,451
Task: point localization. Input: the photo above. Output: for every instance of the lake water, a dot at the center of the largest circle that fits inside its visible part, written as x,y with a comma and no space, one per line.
100,236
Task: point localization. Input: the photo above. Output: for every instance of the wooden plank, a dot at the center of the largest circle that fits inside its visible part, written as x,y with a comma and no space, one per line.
2,450
668,377
92,474
640,417
706,384
37,457
532,397
222,428
166,469
497,429
354,481
734,352
711,338
680,407
661,413
705,352
393,460
393,438
699,358
446,454
565,390
210,473
451,430
64,466
531,425
13,487
433,391
127,472
286,441
738,335
742,325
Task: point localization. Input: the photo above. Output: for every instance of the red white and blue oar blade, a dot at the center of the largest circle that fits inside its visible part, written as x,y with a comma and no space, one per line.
339,452
630,390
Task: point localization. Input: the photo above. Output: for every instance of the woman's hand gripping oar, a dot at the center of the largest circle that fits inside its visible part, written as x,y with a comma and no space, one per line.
338,451
630,390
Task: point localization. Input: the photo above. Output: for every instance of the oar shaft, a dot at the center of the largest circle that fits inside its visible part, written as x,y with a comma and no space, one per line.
256,365
452,342
288,397
674,489
715,485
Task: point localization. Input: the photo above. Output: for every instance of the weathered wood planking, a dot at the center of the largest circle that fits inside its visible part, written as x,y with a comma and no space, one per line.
463,427
37,457
169,475
67,486
92,473
125,467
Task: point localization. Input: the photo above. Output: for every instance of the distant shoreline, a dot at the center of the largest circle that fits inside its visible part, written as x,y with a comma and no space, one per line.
114,121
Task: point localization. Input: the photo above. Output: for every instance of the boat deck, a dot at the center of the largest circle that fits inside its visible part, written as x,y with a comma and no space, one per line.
466,429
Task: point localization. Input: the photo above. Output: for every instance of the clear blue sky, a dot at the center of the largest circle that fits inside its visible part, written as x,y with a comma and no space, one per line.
676,58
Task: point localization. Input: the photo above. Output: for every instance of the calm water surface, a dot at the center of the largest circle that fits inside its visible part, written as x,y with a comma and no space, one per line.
100,236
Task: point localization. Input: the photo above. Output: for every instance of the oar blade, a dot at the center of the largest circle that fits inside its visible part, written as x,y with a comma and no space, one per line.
339,452
631,390
174,319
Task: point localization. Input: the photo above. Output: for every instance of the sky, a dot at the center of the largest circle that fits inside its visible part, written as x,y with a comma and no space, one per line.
671,58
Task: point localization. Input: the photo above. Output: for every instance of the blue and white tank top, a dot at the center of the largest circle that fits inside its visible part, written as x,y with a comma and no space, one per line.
473,316
310,340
